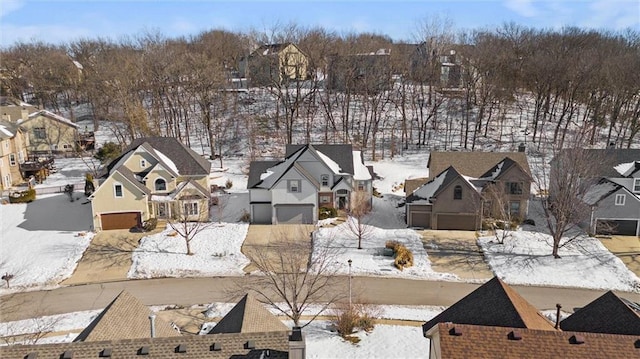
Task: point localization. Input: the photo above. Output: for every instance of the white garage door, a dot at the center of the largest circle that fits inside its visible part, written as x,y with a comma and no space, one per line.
295,214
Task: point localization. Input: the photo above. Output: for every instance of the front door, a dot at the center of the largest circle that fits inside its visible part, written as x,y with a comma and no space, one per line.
162,210
342,202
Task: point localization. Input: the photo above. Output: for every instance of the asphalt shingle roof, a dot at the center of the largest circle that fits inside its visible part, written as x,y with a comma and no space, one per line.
607,314
473,164
341,154
493,304
124,318
187,160
487,342
248,316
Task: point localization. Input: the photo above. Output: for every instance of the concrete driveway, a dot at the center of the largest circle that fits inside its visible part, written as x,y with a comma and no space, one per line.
456,252
268,238
627,248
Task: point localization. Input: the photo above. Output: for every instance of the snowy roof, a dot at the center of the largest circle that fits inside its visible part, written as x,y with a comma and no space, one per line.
599,191
52,116
429,189
6,130
433,187
166,160
186,160
626,169
361,172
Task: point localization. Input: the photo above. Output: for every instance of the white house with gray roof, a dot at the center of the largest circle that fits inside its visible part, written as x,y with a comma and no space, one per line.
309,177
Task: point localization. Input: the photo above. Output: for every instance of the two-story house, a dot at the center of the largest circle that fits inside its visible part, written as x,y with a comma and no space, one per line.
13,152
475,185
310,177
365,73
614,200
274,64
155,177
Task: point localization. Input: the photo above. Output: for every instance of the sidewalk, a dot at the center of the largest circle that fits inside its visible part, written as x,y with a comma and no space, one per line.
456,252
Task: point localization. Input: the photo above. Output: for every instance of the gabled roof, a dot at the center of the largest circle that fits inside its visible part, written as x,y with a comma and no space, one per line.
627,169
8,129
610,156
248,316
599,191
126,173
341,154
187,161
493,304
474,164
256,169
480,342
501,168
438,184
50,115
607,314
272,49
189,183
124,318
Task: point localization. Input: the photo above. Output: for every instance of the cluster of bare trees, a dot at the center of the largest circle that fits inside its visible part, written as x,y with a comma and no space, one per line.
449,89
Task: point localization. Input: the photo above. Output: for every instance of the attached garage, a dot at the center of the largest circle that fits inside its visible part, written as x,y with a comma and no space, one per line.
261,213
464,222
295,213
124,220
621,227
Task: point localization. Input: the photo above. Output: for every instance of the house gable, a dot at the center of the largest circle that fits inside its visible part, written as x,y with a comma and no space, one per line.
608,314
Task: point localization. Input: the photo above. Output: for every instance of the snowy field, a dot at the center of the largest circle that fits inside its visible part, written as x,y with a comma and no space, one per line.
41,242
393,172
70,171
216,251
370,259
525,258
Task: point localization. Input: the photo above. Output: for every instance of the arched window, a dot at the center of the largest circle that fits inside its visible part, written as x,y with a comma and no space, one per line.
161,184
457,192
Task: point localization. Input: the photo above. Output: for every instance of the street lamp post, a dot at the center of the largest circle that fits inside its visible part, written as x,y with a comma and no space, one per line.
349,261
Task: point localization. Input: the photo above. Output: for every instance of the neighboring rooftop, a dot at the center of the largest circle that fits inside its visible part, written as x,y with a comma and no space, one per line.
249,316
124,318
453,340
473,164
607,314
493,304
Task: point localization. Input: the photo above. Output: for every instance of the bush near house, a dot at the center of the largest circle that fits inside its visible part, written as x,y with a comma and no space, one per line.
23,196
150,224
403,256
326,212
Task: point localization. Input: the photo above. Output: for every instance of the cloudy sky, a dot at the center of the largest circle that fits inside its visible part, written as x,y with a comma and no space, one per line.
60,21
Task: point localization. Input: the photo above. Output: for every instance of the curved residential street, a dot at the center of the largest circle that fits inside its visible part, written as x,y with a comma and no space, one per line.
188,291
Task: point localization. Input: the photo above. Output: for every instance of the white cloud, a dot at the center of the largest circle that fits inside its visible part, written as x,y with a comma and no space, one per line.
8,6
614,14
522,7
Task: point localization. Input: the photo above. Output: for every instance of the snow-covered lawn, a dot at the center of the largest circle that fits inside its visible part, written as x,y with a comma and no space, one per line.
370,259
216,251
40,242
525,258
70,170
393,172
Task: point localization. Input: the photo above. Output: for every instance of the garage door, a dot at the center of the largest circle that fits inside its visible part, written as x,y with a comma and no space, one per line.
120,220
421,219
465,222
622,227
295,214
261,213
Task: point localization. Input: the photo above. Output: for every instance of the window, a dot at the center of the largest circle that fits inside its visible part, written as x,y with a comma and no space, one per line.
457,192
324,199
191,208
161,184
324,179
620,199
514,208
513,187
143,163
117,190
360,186
293,186
12,159
636,185
39,133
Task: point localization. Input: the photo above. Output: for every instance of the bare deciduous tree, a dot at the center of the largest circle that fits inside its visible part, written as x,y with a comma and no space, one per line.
291,279
190,219
359,208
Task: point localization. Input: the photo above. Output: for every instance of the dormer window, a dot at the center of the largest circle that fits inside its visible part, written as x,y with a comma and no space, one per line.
143,163
160,184
324,179
457,192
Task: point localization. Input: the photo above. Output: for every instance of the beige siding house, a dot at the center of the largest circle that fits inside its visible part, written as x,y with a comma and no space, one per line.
49,132
13,152
274,64
155,177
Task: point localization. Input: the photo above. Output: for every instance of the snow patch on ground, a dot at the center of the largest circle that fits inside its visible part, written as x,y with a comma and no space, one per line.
42,241
394,171
370,260
216,252
525,258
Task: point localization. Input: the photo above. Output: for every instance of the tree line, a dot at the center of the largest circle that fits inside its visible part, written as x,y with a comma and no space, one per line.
554,83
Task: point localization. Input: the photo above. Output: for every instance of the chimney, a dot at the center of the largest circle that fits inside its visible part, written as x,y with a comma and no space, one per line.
152,320
522,147
297,346
558,307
